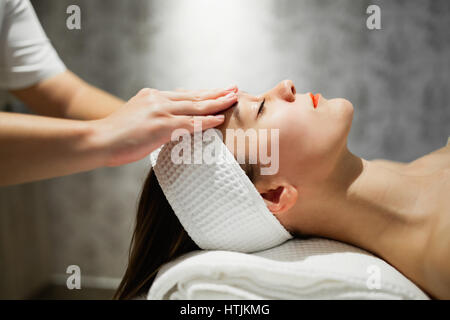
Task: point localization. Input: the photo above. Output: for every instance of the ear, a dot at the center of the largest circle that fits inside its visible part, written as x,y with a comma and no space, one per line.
280,199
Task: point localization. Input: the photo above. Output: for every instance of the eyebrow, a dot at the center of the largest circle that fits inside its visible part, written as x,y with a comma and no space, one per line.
237,114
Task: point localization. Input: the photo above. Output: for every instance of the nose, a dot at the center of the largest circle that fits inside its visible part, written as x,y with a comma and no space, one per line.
285,90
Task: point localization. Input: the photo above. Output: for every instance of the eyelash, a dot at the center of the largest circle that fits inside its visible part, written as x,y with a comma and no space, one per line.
261,107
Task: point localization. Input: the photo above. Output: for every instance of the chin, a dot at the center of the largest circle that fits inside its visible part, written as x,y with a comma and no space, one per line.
343,110
342,106
348,111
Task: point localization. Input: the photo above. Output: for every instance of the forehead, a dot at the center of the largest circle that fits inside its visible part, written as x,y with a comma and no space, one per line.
246,95
234,113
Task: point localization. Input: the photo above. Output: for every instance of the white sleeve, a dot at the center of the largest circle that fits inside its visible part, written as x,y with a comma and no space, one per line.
26,54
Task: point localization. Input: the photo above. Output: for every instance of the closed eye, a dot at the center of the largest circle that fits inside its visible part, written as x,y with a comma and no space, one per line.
261,107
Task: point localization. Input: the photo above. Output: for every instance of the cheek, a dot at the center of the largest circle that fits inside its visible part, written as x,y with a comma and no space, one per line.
299,138
300,132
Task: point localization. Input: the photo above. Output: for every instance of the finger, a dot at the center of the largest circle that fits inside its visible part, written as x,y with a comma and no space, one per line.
143,91
228,89
192,123
198,95
202,107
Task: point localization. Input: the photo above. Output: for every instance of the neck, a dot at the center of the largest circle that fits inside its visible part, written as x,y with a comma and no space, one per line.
362,203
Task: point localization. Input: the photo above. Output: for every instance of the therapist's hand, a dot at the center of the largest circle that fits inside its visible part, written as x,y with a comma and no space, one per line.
148,119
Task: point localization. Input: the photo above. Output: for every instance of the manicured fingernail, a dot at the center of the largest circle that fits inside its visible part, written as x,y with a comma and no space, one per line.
231,95
220,116
232,87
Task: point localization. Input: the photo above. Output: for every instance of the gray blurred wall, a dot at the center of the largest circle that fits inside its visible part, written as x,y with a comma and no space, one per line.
397,78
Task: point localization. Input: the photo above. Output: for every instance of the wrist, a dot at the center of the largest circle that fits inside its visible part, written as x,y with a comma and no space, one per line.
98,142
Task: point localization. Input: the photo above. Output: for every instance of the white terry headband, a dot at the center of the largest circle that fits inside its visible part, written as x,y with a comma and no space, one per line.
216,203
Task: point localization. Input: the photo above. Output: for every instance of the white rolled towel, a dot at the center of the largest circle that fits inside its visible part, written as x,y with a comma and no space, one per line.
298,269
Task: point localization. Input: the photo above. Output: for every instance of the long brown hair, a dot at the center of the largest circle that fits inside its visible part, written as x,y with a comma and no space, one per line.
158,237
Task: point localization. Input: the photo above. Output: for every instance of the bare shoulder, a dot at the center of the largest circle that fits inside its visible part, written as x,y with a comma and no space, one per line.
437,254
427,164
437,262
432,162
393,165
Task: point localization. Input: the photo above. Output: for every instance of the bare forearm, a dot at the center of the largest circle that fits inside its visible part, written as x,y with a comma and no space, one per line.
67,96
91,103
36,147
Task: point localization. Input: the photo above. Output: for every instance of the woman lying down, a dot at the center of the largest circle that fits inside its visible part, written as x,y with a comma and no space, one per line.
398,211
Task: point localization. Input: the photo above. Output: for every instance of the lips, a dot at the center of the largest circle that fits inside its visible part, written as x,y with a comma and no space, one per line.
315,99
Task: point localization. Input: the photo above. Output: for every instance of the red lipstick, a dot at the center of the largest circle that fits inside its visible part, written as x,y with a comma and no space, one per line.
315,99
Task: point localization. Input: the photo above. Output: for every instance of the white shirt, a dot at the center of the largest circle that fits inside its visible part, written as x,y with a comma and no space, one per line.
26,54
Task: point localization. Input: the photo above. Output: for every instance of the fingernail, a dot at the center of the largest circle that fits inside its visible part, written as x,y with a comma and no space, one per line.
220,116
231,95
232,87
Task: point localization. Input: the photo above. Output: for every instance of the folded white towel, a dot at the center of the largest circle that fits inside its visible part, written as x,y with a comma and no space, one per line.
298,269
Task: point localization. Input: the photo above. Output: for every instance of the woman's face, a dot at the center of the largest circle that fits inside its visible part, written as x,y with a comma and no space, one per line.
310,138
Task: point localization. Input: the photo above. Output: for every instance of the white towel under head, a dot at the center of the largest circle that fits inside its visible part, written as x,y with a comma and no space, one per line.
314,268
216,203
